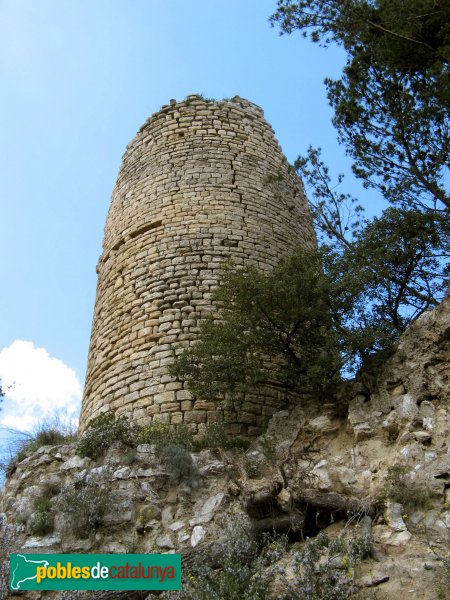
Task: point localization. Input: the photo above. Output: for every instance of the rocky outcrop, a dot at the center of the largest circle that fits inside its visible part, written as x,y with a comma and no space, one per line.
384,465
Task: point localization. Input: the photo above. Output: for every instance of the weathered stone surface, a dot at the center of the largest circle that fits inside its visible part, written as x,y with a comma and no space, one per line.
165,541
422,436
76,462
394,516
208,509
385,535
322,475
212,468
198,533
43,542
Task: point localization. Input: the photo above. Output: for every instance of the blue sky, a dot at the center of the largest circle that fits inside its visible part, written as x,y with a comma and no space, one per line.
79,77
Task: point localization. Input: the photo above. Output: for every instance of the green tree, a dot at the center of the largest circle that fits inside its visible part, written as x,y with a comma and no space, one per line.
272,328
392,114
385,272
389,274
392,103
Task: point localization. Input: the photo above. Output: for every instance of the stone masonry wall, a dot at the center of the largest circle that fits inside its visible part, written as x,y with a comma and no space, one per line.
201,183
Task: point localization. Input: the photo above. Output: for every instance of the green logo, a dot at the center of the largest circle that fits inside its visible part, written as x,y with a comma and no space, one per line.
95,571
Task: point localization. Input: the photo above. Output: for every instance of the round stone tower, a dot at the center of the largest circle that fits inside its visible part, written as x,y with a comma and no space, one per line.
202,182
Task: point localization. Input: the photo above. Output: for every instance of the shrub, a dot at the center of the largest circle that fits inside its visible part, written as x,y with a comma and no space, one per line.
322,569
86,504
325,568
243,574
25,444
173,446
275,329
215,436
41,522
443,580
178,462
161,435
103,431
254,465
399,487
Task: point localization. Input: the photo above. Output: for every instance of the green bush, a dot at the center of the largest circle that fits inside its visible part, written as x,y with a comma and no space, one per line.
245,571
85,504
46,434
322,569
178,462
325,568
41,522
103,431
215,436
173,443
161,435
400,488
275,329
443,580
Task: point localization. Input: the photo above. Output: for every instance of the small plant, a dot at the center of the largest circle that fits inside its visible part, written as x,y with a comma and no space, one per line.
215,436
326,568
188,100
86,504
129,457
244,573
103,431
25,444
267,446
178,462
41,521
274,178
443,581
254,465
161,435
399,487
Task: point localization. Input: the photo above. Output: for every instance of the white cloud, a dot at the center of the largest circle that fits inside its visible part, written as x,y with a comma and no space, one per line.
38,387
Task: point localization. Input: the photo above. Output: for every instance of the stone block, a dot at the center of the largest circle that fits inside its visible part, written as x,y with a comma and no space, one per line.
198,416
176,418
164,397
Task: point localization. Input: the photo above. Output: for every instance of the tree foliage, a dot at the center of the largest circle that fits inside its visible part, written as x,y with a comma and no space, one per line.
392,103
389,274
394,267
391,110
273,328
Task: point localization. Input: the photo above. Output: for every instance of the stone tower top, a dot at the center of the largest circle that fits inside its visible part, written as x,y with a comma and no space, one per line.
202,182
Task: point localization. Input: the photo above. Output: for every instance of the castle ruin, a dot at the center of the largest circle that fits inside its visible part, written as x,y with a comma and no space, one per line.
203,182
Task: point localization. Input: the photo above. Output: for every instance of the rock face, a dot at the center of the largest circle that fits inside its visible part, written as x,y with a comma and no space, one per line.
315,469
201,183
